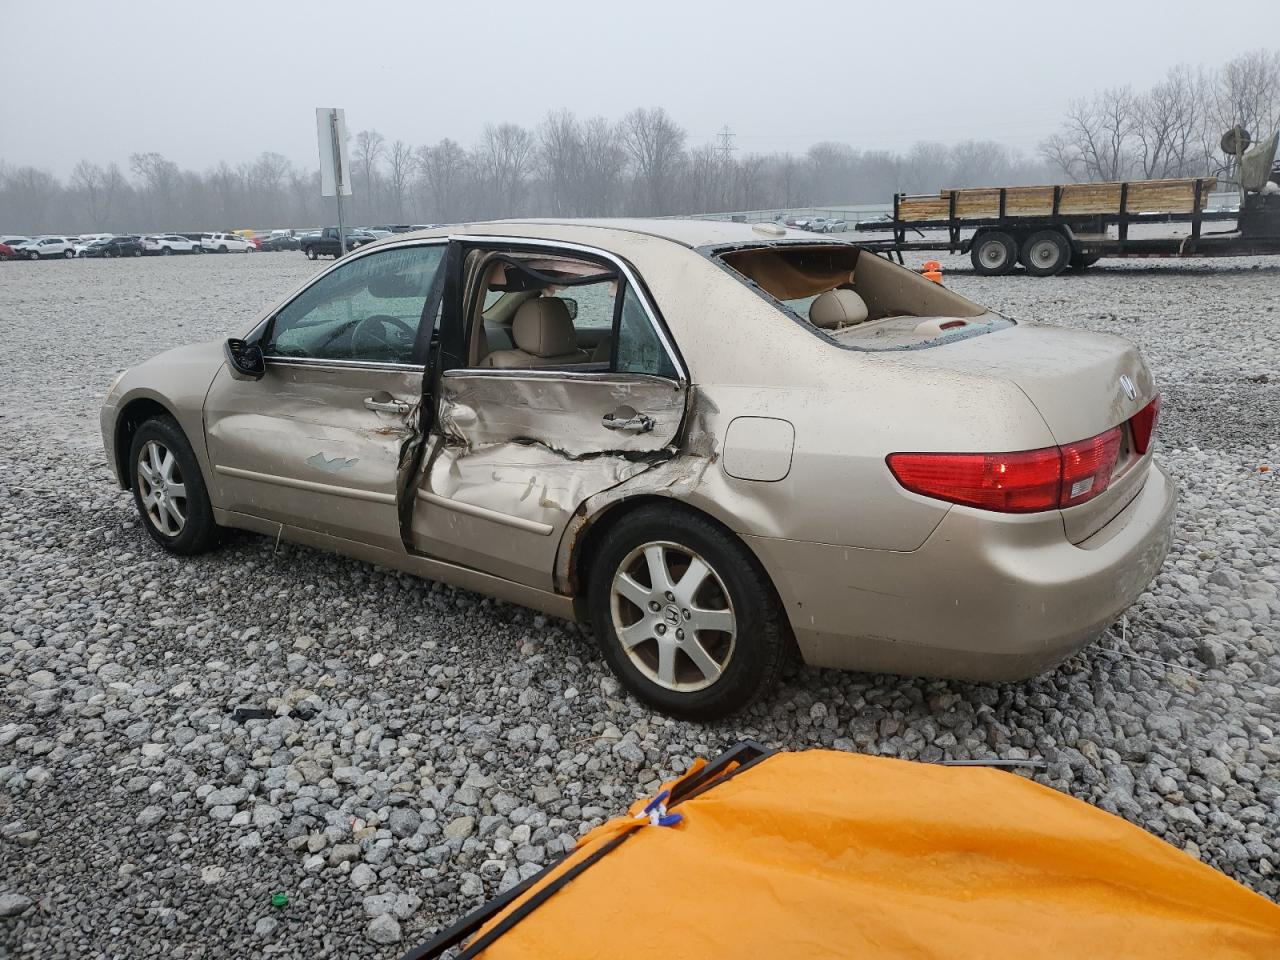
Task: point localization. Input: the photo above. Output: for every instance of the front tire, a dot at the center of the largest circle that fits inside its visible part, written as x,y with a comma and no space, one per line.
168,489
685,615
137,251
33,255
68,254
994,254
1045,253
311,253
167,251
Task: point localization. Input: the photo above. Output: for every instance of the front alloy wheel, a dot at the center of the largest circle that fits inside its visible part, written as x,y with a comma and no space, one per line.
168,489
164,495
673,617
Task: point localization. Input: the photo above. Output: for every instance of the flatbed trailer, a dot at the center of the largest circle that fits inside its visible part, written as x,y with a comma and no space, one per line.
1049,229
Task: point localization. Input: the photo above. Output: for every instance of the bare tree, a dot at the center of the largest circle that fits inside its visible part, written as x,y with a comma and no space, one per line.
505,159
1248,93
604,166
445,170
1168,124
400,163
1095,138
656,145
90,180
370,148
560,161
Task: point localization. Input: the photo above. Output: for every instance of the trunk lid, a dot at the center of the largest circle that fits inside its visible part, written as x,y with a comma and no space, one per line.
1074,378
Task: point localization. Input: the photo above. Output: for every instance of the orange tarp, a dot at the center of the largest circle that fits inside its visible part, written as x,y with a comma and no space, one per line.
827,854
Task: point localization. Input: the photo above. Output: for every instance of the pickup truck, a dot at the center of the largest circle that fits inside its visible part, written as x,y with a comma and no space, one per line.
325,242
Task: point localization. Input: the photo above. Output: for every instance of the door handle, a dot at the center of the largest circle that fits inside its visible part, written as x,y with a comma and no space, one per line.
628,421
388,406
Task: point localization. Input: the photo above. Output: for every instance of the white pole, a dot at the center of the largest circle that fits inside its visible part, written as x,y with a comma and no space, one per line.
338,179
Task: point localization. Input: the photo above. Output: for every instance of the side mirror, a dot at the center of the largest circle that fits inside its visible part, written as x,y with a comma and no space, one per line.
245,360
572,304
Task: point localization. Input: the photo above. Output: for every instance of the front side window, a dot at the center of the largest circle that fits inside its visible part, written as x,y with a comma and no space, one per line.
369,309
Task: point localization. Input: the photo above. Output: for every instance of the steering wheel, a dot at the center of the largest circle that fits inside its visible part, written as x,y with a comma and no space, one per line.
373,333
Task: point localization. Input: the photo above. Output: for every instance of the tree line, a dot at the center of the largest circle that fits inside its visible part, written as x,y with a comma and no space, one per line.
640,165
643,164
1172,129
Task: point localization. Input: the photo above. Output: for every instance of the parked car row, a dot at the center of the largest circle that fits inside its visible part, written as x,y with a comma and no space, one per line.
817,224
314,243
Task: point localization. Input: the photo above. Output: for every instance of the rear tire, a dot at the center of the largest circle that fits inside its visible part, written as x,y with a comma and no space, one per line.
167,251
1045,253
994,254
310,252
68,254
671,662
168,489
137,252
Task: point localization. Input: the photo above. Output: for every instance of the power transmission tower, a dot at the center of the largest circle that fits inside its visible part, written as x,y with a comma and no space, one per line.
726,147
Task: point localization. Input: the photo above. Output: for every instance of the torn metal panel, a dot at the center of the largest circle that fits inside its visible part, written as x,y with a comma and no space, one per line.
514,456
301,446
676,478
563,411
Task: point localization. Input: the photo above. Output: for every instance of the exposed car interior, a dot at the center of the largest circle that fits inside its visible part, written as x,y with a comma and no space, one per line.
538,311
858,298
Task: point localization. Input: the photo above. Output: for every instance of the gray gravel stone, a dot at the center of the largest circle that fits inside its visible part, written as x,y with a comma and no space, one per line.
384,928
12,904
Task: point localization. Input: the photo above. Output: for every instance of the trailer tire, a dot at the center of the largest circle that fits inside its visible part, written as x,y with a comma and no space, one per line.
1083,261
1045,253
994,254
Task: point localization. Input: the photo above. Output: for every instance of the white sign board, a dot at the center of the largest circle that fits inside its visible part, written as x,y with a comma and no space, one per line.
331,131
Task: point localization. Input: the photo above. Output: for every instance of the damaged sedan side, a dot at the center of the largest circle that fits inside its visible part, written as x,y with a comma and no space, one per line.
714,444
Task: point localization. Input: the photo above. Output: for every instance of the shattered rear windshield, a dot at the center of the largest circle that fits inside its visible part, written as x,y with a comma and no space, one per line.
857,299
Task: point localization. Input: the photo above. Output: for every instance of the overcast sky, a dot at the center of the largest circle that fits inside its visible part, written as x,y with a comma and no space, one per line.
205,81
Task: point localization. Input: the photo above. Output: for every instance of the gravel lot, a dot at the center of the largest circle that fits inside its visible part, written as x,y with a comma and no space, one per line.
433,746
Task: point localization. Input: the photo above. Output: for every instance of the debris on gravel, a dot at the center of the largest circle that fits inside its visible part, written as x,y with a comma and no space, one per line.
181,740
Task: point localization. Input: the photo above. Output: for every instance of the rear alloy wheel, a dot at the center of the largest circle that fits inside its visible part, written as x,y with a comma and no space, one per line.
994,254
685,615
1045,253
68,254
168,489
310,252
167,251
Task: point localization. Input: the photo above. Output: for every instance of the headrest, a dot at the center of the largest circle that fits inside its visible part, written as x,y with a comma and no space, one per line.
543,328
837,308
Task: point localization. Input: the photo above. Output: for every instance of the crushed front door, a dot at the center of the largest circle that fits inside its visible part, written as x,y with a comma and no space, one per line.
513,454
325,438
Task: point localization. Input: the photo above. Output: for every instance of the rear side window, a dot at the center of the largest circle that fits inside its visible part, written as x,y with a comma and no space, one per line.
638,349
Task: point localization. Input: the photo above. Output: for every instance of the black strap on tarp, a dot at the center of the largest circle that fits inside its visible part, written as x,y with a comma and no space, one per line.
746,754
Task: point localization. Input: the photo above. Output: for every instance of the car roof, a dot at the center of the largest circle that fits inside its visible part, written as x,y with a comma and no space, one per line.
686,232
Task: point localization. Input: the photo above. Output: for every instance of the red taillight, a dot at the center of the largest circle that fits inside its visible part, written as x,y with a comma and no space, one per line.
1087,467
1143,425
1023,482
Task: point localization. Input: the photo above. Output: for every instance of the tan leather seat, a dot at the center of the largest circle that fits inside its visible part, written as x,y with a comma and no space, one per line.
837,308
544,336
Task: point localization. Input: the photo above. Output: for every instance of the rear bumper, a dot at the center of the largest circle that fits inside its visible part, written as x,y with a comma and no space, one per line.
988,597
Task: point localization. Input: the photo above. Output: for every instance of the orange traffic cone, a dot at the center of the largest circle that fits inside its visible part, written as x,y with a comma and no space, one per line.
932,271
